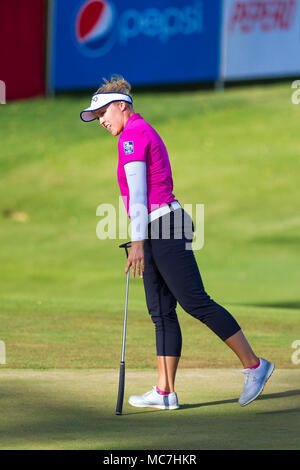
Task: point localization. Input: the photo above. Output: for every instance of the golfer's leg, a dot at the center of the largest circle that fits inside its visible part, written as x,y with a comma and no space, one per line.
239,344
162,307
167,366
179,269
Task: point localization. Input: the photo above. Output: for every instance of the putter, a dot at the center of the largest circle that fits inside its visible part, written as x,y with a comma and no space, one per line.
122,363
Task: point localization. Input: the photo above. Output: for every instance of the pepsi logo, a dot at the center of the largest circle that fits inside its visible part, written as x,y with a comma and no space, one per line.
94,26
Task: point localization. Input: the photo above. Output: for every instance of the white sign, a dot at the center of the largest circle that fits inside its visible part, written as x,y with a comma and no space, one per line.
260,39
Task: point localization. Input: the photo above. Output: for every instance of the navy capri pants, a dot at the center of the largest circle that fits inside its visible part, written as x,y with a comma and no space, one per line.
171,274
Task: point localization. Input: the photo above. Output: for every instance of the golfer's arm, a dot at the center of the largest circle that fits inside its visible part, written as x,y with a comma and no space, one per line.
137,185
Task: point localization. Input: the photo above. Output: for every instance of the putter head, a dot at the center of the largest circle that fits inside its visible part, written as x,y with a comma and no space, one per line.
125,245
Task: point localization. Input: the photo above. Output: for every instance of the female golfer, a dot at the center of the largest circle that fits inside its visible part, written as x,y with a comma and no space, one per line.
161,254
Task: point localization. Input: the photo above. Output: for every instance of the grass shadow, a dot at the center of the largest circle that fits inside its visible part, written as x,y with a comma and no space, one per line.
293,305
289,410
289,393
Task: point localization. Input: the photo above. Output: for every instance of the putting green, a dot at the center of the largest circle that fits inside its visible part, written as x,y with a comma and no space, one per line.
65,409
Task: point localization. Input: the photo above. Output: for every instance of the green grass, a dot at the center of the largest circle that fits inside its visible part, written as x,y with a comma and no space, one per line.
76,410
62,289
81,334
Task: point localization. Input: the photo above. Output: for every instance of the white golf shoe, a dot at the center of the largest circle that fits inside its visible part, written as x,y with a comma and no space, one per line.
154,400
255,380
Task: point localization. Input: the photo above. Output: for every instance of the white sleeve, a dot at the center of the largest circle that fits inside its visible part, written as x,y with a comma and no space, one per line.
137,185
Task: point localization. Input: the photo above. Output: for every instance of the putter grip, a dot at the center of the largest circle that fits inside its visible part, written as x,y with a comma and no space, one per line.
121,389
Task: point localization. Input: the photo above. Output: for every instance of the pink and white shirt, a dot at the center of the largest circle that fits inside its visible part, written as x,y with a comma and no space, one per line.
140,142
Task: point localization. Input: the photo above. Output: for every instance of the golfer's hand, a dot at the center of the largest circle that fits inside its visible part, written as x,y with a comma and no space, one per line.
136,259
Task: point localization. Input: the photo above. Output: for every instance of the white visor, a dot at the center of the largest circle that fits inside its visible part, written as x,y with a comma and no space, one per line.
99,100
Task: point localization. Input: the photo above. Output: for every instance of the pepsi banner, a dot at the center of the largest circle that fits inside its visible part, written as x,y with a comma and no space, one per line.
149,42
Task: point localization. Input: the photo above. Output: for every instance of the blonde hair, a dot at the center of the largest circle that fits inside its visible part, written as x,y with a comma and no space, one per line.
116,84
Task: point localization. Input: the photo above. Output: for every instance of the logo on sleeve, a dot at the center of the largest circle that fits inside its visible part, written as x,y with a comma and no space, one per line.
128,148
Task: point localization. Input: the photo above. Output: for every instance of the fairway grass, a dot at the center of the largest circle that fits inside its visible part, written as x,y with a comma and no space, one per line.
84,334
62,290
65,409
236,152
